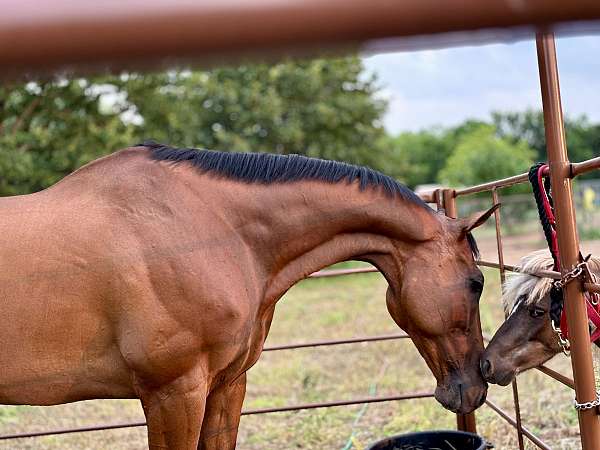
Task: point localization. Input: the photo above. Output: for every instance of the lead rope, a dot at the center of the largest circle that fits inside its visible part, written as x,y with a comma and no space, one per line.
558,319
541,192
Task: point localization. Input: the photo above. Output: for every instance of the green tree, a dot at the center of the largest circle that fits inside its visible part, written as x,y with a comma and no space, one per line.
481,156
583,138
323,108
48,129
417,158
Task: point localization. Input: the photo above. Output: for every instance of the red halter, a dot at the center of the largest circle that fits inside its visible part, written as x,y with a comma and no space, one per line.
592,300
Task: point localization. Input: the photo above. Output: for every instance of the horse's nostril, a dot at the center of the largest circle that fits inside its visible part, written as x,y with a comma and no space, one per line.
486,367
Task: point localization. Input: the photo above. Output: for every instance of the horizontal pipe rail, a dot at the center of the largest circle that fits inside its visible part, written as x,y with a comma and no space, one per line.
359,401
538,273
338,272
584,166
526,432
503,183
590,287
575,170
557,376
100,427
384,337
64,33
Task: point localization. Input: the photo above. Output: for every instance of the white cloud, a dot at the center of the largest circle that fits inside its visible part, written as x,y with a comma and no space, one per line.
445,87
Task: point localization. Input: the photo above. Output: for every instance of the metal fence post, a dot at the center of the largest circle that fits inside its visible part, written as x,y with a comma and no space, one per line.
502,270
568,242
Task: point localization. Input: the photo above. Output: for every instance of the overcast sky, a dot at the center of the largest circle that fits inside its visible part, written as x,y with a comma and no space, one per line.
445,87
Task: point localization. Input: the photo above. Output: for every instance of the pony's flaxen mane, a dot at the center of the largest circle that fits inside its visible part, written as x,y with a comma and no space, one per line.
529,288
268,168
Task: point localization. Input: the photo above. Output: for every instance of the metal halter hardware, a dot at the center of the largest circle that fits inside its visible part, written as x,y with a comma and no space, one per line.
587,405
577,271
582,272
564,343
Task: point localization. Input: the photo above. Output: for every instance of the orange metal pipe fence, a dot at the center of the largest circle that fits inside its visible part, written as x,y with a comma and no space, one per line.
50,38
568,243
248,412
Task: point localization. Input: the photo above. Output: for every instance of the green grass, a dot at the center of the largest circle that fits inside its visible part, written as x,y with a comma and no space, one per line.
9,415
327,309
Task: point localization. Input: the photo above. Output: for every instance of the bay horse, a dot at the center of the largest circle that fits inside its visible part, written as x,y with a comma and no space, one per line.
154,272
526,339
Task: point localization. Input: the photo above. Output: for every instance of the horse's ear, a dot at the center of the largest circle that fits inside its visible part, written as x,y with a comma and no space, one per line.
477,219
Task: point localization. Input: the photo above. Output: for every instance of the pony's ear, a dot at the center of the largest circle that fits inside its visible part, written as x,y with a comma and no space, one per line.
477,219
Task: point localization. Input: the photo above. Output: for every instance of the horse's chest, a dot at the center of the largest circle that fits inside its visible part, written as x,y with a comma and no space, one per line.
250,342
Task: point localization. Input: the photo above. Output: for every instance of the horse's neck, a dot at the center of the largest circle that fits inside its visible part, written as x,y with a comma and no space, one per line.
307,226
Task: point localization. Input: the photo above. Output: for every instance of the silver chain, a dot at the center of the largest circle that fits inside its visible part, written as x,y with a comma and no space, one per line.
579,270
587,405
570,276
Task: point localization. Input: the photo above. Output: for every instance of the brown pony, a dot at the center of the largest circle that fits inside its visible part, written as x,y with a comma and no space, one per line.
153,273
526,339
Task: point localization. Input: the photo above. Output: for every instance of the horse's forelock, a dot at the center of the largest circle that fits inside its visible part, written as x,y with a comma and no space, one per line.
531,287
523,284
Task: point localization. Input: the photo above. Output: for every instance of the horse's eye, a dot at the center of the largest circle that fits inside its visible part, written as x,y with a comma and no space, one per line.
476,285
536,312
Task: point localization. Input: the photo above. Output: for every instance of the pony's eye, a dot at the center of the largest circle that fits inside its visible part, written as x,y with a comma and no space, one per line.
536,312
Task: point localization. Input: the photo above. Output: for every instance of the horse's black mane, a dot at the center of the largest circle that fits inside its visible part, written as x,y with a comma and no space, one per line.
268,168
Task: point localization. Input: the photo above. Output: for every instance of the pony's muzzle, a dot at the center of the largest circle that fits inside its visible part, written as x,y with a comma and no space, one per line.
494,374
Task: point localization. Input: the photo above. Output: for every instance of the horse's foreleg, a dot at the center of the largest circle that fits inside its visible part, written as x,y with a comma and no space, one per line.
222,416
174,413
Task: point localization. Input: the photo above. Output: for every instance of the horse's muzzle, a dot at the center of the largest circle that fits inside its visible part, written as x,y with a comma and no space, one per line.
463,394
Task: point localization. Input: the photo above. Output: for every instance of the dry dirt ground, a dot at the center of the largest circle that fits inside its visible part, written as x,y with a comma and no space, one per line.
328,309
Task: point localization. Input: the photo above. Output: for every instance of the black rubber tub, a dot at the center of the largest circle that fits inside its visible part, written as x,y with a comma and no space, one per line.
433,440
